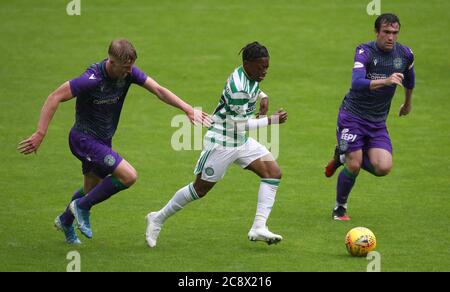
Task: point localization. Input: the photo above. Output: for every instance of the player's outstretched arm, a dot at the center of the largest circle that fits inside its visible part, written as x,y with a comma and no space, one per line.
406,107
32,143
164,94
278,117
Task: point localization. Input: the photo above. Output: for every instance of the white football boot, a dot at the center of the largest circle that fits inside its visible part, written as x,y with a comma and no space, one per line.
263,234
153,229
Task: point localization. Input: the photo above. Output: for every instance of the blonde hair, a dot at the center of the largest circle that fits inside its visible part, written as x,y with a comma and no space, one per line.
122,50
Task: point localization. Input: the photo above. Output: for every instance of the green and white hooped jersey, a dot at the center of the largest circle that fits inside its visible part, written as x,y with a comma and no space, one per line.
237,104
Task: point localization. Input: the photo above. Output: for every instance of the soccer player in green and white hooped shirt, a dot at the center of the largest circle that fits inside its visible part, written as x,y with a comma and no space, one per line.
226,142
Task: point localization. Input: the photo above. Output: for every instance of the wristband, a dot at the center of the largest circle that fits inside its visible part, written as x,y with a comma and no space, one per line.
257,123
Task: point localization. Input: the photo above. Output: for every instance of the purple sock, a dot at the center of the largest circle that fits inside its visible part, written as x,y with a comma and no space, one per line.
366,165
67,217
345,183
108,187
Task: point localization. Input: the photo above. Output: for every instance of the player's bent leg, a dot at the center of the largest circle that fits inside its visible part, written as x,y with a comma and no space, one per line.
353,161
345,183
182,197
270,173
64,221
91,180
334,163
69,231
381,160
125,173
109,186
156,220
82,217
202,187
266,167
66,217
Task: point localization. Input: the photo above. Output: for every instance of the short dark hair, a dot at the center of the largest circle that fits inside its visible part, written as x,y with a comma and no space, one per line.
254,51
122,50
388,18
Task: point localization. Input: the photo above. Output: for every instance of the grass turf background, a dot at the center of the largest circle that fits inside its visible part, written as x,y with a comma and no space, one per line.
191,47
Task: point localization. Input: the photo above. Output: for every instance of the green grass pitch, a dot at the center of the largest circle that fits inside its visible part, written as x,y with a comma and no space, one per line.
191,47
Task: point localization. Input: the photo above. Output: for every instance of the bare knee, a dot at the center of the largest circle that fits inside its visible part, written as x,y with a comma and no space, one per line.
353,166
353,161
202,187
201,191
381,161
274,172
126,173
382,170
270,170
129,178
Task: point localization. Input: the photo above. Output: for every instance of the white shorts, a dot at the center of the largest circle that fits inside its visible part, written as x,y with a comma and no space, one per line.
214,161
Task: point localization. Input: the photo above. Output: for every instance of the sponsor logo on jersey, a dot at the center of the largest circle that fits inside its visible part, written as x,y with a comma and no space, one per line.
346,136
376,76
106,101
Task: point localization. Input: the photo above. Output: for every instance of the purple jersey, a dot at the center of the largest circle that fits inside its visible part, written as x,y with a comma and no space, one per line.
100,99
371,63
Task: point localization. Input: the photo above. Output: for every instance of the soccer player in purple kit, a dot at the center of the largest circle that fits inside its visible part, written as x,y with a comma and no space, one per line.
100,93
363,139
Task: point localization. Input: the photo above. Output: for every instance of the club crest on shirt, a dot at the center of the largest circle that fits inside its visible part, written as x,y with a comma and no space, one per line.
375,61
398,63
209,171
109,160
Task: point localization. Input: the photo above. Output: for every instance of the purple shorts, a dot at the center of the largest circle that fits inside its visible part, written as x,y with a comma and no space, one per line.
354,133
95,155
